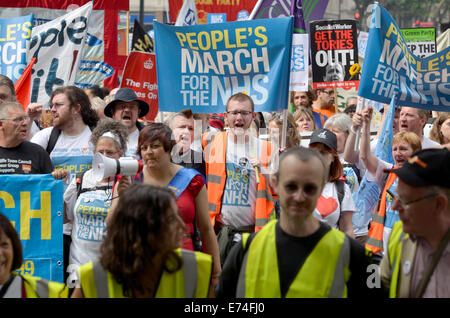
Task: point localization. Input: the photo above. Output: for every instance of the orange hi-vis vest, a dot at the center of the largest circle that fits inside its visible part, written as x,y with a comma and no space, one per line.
215,149
375,235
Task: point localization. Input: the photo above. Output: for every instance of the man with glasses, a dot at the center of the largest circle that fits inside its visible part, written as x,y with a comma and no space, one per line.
240,199
17,155
324,104
127,108
417,262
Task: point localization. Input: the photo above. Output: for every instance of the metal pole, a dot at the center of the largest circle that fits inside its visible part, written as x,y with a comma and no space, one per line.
141,12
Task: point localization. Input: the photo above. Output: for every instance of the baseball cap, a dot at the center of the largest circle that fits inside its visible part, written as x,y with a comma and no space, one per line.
428,167
324,136
126,94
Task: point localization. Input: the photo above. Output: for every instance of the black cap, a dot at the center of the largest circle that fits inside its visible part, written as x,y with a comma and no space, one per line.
126,95
428,167
324,136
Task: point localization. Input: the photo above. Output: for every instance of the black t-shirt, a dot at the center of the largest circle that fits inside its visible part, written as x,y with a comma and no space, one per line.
191,159
292,253
27,158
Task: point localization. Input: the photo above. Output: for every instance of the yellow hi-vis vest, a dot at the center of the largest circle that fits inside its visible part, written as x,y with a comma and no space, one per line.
401,250
37,287
215,149
192,280
324,274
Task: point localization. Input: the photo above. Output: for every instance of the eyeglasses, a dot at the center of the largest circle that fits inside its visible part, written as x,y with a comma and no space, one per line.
131,107
18,120
107,153
243,113
329,92
56,105
406,205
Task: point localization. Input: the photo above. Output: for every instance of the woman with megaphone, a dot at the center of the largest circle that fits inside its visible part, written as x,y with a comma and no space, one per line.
88,198
155,147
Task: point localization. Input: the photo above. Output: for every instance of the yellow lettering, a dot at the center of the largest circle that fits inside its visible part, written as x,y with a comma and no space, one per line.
181,37
240,37
216,36
8,199
10,32
259,33
433,65
205,35
26,28
392,29
44,214
227,41
419,66
191,41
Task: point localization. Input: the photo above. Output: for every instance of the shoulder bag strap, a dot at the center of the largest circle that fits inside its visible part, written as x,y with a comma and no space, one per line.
426,278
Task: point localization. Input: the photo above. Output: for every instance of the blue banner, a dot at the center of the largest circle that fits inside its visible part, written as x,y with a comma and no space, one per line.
34,204
420,82
201,66
14,34
366,198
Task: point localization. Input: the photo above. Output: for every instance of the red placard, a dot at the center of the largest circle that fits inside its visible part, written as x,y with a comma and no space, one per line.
140,75
230,7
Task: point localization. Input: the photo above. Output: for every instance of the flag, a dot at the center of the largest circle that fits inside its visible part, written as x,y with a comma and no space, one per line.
202,78
297,12
366,198
58,51
188,14
141,40
15,33
384,146
313,10
23,85
302,10
419,82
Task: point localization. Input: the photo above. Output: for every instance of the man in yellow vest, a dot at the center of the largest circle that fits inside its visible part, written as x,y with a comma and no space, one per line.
297,256
417,261
239,197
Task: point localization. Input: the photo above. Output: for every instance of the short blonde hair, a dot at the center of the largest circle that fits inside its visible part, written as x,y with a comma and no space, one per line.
410,138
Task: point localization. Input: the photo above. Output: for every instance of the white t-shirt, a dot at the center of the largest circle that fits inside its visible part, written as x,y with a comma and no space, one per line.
88,213
428,143
239,196
328,208
34,129
71,153
132,143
